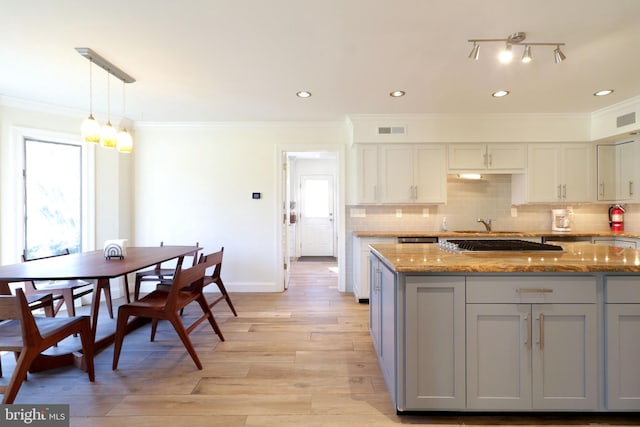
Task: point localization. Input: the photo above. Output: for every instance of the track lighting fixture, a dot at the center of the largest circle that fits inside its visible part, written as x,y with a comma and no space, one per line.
516,39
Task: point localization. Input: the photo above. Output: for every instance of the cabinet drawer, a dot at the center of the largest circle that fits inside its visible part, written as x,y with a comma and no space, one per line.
622,289
531,289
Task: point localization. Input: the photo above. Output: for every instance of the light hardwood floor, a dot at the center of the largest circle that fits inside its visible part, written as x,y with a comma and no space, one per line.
299,358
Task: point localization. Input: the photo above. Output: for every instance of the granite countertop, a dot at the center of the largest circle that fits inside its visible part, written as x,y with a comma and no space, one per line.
496,233
575,258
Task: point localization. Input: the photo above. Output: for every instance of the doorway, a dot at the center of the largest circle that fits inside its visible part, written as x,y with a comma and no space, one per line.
311,196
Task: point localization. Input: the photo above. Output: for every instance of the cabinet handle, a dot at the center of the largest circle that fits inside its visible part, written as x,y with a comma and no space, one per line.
484,159
490,160
534,291
528,342
630,188
415,192
602,189
541,332
564,191
559,192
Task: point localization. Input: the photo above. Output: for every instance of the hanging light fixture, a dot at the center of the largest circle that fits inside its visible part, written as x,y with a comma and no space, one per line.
124,142
108,133
108,136
516,39
90,127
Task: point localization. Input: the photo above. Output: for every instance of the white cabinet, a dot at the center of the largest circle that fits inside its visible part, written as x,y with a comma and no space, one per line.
413,173
555,173
622,317
528,346
502,158
434,333
360,273
367,173
617,171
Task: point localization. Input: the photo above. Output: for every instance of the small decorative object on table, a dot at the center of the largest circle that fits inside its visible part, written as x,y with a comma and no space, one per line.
116,248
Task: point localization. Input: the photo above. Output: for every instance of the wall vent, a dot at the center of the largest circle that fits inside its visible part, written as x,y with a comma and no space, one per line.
625,120
392,130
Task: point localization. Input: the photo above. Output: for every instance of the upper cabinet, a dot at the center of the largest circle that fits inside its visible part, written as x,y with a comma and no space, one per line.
617,171
497,158
401,173
556,173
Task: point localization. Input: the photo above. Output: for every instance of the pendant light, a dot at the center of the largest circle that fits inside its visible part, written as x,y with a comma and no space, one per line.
108,133
90,127
124,142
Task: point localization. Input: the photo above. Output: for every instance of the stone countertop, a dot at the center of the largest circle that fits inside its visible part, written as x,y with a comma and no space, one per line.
496,233
575,258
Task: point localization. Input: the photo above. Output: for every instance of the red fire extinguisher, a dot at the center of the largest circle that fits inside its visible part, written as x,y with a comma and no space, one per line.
616,218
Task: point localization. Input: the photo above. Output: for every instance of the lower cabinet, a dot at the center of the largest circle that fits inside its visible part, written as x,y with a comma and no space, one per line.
532,356
434,341
622,318
360,274
382,318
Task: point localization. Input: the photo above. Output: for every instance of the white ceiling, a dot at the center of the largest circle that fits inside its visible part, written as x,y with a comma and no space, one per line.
219,60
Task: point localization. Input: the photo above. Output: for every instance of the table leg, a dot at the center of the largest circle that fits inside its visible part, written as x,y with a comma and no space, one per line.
95,305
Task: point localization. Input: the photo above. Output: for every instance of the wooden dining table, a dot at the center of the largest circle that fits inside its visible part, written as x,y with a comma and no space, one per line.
87,266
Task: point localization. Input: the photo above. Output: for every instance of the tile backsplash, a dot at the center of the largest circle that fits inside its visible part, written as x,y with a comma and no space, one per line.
489,198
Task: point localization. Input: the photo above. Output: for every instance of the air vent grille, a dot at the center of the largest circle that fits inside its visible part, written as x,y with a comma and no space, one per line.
625,120
391,130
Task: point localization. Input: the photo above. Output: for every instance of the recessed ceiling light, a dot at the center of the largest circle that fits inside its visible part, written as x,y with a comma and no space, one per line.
303,94
500,93
397,93
604,92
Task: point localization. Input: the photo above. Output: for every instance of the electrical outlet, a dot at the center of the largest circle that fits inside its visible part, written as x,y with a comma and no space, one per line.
425,212
398,213
514,212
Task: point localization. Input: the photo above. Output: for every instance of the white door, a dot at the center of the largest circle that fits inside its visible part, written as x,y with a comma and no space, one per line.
316,220
285,219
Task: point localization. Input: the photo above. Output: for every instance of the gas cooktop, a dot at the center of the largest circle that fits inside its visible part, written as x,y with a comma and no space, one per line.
497,246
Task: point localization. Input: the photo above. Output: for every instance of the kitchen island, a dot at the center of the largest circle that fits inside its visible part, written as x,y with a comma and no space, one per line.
518,331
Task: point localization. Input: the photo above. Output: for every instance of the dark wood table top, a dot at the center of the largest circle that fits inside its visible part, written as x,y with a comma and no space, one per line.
91,265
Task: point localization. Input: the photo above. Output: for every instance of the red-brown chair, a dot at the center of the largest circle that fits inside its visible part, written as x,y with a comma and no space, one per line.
28,336
166,304
215,278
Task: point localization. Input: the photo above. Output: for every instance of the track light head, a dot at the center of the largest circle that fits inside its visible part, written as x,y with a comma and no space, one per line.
558,56
506,55
526,55
475,51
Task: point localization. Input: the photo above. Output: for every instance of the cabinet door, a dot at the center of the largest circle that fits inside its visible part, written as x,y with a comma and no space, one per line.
544,169
499,356
430,183
367,167
506,157
606,156
396,168
374,302
628,162
435,343
623,354
576,177
565,354
387,355
467,156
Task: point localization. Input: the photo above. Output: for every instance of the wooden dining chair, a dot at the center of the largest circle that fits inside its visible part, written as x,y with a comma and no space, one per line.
158,274
163,304
65,291
28,336
215,278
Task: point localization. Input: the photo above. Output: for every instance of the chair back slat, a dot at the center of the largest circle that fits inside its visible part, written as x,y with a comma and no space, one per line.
17,308
183,278
9,308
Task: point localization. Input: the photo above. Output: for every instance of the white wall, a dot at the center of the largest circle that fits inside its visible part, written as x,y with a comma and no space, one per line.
194,183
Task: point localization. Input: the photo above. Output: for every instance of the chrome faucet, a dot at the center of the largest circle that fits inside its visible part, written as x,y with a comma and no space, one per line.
486,222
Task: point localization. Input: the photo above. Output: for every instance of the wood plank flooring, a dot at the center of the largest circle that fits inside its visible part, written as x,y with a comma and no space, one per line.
299,358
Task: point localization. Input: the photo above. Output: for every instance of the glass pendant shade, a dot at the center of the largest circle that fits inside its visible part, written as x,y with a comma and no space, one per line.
91,130
124,141
108,136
